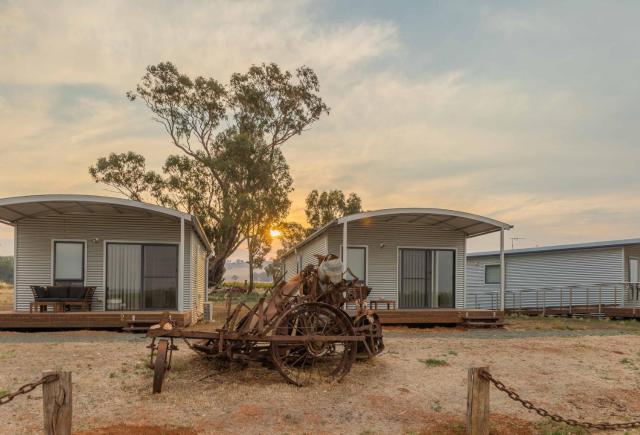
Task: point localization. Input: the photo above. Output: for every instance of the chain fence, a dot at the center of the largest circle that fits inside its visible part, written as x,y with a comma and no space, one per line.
555,417
27,388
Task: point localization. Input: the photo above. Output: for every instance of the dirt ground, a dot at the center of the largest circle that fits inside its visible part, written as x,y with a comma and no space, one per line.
418,385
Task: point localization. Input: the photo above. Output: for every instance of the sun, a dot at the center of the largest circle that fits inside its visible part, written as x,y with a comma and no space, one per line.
275,232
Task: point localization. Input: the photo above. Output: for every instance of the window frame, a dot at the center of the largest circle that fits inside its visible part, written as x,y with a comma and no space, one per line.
486,266
142,245
365,278
54,243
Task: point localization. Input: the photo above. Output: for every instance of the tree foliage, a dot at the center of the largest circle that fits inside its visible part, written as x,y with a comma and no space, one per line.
323,207
230,171
291,233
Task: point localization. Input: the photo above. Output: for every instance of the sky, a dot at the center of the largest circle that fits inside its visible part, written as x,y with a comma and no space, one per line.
526,112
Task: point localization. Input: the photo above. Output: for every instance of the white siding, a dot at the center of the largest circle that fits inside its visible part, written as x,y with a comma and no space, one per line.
186,277
318,246
290,266
198,292
384,240
34,241
547,269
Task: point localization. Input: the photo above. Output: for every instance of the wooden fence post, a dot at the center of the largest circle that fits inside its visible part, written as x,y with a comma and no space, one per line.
478,402
57,401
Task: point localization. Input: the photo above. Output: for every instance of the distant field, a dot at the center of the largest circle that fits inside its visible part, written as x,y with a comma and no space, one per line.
257,284
6,297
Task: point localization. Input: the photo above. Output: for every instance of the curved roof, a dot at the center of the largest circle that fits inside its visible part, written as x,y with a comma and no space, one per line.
16,208
470,224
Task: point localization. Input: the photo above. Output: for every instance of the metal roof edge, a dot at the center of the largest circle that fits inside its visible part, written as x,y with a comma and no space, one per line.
15,200
391,211
551,248
62,197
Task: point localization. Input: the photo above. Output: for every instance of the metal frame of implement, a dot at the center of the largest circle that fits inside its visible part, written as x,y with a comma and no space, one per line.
299,327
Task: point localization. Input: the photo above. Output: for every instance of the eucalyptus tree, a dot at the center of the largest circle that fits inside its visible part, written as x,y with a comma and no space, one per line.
323,207
229,171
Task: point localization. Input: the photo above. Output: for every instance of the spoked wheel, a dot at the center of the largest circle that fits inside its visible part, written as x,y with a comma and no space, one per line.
313,361
160,365
371,327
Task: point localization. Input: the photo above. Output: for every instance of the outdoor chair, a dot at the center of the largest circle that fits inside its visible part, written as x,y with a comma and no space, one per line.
61,297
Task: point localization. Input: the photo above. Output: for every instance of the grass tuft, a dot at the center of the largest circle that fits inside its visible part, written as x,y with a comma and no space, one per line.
433,362
550,427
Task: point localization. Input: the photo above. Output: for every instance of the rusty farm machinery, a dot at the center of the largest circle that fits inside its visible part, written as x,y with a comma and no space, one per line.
310,328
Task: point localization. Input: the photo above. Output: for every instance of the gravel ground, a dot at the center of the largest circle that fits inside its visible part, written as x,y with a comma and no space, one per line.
390,332
418,385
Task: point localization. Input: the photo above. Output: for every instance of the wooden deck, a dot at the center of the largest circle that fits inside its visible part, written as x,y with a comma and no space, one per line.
85,319
441,316
622,312
559,311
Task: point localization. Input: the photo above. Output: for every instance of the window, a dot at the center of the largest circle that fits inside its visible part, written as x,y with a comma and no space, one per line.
68,263
492,274
357,263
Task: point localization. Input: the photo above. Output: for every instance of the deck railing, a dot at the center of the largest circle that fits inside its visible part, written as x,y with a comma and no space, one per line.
591,297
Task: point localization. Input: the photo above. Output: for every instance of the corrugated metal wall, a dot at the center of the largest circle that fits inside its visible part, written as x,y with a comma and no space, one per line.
188,255
198,260
383,260
34,241
547,269
317,246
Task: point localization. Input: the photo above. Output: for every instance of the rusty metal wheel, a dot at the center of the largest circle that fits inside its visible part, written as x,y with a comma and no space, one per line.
313,361
371,327
160,365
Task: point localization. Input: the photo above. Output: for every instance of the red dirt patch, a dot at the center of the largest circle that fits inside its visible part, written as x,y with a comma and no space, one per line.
500,424
125,429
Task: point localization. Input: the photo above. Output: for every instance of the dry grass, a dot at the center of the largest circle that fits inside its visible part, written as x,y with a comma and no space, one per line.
6,296
397,392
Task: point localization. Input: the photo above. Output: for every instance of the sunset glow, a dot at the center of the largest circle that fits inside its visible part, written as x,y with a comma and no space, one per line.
275,233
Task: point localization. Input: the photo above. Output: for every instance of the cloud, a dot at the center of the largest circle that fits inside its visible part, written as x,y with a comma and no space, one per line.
112,42
525,113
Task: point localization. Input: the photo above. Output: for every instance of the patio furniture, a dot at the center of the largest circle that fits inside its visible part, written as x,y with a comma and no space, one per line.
61,297
390,303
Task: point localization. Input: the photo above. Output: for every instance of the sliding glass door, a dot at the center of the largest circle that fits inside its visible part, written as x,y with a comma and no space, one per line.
426,278
160,284
141,277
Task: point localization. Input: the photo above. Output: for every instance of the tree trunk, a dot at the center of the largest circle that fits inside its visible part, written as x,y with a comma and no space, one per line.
216,270
250,271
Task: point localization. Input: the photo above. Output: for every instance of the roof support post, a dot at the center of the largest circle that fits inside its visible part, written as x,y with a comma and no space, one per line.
502,270
181,268
345,244
15,268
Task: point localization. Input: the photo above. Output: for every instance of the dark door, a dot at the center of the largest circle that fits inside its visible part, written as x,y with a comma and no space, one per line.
415,278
